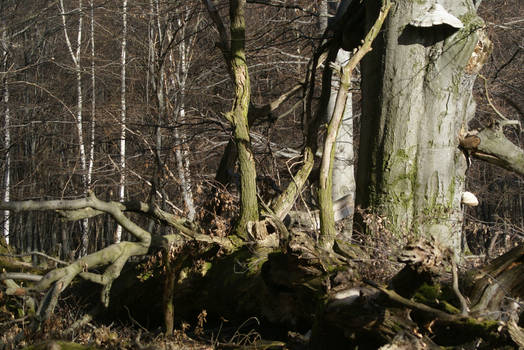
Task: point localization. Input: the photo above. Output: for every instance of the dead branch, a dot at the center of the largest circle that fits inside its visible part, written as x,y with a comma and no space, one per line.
394,296
113,257
58,261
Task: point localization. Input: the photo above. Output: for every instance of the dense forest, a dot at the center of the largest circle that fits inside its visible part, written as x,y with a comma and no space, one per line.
261,174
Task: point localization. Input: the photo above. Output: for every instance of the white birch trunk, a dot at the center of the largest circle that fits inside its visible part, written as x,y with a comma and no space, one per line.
7,140
93,98
7,145
75,56
182,159
121,190
323,16
150,53
181,154
159,83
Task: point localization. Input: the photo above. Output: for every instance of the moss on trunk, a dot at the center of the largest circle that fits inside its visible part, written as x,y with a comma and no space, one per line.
417,94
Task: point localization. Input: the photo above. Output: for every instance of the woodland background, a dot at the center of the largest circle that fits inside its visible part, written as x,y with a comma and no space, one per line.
135,111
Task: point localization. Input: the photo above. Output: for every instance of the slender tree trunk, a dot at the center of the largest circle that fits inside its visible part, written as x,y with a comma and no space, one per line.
238,116
323,16
182,159
417,96
75,56
325,186
343,167
7,145
181,154
121,188
343,176
93,97
79,125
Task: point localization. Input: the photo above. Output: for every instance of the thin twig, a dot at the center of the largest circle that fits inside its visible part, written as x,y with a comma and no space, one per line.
463,302
58,261
489,99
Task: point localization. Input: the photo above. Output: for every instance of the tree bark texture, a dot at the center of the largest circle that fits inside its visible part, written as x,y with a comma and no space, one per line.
122,162
238,115
417,95
7,138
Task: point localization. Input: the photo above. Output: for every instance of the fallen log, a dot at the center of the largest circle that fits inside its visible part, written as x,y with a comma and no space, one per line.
421,308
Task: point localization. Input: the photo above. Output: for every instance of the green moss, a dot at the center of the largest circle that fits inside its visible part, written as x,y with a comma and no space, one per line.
59,345
449,308
206,267
236,240
427,294
471,21
436,297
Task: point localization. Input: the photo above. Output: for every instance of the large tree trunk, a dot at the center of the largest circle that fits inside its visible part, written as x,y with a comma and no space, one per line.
417,95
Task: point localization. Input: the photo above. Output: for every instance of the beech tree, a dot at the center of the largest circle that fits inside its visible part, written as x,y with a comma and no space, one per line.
417,103
419,61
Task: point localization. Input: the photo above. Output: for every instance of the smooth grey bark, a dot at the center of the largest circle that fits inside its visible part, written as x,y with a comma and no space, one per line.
417,95
343,167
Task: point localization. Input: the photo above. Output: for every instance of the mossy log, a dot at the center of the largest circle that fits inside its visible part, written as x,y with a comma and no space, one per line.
421,308
294,290
282,289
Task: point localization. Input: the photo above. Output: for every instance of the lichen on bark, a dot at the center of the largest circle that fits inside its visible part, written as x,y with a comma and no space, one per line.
417,94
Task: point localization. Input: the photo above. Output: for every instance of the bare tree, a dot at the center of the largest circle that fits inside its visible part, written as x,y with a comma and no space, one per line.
181,70
91,159
75,53
7,132
122,170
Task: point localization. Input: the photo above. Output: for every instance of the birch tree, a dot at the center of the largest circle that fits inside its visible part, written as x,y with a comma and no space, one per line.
75,53
121,187
7,132
93,94
181,70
